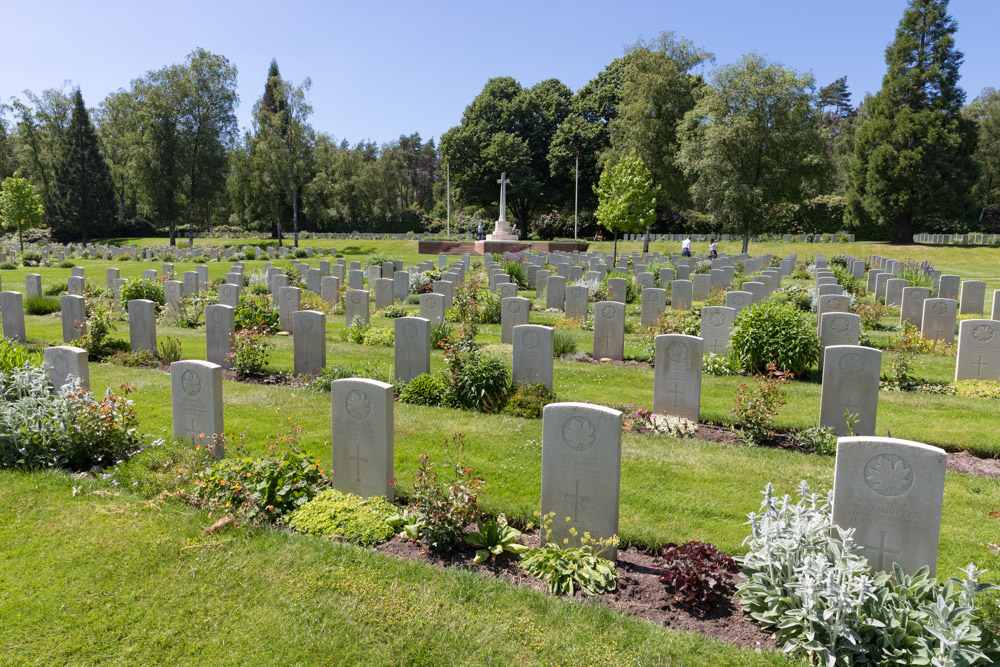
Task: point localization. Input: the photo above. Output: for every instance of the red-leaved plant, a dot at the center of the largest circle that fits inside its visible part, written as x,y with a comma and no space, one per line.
695,573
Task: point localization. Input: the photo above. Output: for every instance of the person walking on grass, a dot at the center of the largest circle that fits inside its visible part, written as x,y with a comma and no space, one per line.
686,247
713,248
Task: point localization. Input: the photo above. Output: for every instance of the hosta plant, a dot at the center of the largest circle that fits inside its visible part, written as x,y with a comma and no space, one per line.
564,568
494,538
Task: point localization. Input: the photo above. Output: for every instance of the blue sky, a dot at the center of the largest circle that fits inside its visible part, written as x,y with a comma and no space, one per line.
381,69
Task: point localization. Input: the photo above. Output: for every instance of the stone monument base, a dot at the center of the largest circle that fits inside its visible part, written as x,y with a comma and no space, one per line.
502,236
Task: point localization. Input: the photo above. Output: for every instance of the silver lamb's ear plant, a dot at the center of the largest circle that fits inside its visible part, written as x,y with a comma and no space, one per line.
805,579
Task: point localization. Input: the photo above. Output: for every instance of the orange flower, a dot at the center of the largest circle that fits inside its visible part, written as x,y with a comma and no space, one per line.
223,482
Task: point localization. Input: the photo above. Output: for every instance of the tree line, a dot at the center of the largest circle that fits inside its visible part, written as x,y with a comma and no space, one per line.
749,147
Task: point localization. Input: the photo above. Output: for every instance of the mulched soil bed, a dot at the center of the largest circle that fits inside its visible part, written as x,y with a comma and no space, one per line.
973,465
640,592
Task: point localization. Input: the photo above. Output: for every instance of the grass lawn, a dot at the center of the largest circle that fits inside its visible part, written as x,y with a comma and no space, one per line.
87,578
162,592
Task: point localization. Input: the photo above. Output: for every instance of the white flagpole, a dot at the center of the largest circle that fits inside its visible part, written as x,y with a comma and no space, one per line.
576,195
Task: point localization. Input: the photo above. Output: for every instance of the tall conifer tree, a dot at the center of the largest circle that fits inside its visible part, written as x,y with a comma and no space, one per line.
84,193
913,153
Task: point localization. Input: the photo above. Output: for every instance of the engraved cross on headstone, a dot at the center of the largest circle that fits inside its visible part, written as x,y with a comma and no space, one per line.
882,551
675,392
849,402
938,331
608,336
979,366
357,449
714,347
576,499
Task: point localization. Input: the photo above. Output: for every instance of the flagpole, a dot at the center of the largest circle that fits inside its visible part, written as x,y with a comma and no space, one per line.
576,195
448,233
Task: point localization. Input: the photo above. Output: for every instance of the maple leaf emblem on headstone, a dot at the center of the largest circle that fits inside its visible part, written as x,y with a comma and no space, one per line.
579,433
888,475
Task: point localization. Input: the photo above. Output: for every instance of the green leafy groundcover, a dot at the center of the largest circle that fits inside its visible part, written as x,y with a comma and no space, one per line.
345,516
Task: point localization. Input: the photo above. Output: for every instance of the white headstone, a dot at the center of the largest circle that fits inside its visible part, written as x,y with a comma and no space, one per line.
850,385
362,437
432,307
581,470
309,327
196,397
12,312
891,492
411,347
938,322
73,312
288,303
677,376
64,362
716,326
533,354
513,312
142,324
609,330
220,328
978,350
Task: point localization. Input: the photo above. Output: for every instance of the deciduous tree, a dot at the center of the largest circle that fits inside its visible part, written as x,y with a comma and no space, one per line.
626,197
751,144
20,207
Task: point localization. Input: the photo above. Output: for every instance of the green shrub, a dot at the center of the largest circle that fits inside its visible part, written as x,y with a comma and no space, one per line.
143,288
756,406
135,359
8,265
393,311
15,355
516,272
256,311
563,343
379,337
97,341
356,332
263,490
300,253
31,258
377,258
631,291
251,349
369,369
190,312
58,288
527,401
345,516
170,350
424,389
978,389
769,332
41,305
489,308
442,504
440,334
482,382
818,439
